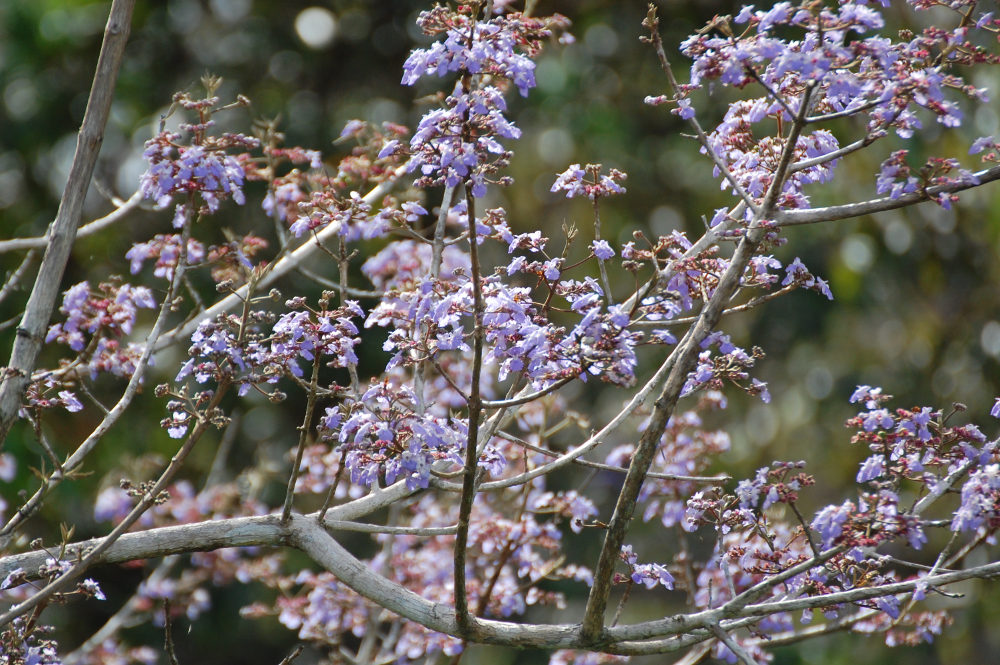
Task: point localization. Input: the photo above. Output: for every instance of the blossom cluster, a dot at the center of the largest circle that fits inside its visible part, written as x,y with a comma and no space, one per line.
233,351
459,142
482,323
97,323
195,169
839,70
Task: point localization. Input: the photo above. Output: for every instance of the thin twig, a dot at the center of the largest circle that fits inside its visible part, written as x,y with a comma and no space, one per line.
127,616
292,656
286,509
652,23
15,279
733,645
617,469
168,636
335,286
40,242
115,413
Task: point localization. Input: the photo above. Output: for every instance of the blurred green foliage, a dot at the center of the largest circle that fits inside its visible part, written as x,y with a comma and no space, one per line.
917,307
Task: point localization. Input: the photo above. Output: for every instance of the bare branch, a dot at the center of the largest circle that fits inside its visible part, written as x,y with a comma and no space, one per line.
121,210
15,279
872,206
62,232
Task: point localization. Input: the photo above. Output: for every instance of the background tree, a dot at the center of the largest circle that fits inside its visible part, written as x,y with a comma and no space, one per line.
271,353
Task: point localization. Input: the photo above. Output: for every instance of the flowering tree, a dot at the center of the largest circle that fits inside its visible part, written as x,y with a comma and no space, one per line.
451,458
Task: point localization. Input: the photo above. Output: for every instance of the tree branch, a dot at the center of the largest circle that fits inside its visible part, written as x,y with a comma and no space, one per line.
872,206
62,232
120,211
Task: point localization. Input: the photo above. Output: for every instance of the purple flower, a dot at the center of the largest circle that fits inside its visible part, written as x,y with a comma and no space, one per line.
981,144
574,182
995,411
979,499
889,605
829,522
876,419
353,128
684,109
871,468
894,176
759,387
90,588
602,250
917,423
389,148
70,401
570,181
746,13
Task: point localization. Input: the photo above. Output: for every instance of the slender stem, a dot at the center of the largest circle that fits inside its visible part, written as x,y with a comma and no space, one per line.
687,350
835,154
343,263
168,634
437,256
15,279
336,286
597,236
147,501
286,509
465,619
447,201
122,208
652,23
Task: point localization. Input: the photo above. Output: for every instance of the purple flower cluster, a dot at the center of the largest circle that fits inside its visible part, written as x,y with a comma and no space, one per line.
306,334
111,310
574,182
385,438
647,574
475,47
873,76
220,352
350,215
537,320
166,249
459,142
980,504
753,161
96,322
178,169
796,271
